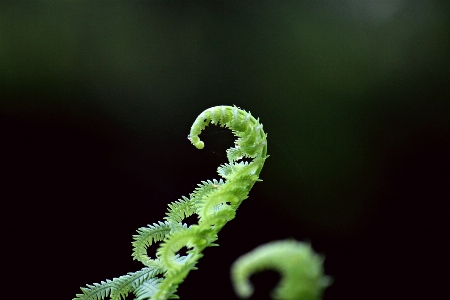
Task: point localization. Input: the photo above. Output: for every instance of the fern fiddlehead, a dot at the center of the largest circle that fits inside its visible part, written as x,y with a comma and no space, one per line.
301,270
214,202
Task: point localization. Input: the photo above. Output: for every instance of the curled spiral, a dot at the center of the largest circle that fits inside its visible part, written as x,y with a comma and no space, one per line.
300,267
214,202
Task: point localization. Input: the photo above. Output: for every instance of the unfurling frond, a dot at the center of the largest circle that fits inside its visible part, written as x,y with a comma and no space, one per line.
146,237
214,201
301,270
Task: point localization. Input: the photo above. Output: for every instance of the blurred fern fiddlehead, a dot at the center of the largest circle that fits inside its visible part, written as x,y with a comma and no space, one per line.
213,201
301,270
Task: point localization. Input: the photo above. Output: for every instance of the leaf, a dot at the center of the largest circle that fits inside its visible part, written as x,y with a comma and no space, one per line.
96,291
214,201
146,237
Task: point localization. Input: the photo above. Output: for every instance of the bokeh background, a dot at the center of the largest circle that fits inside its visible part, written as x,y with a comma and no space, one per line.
97,98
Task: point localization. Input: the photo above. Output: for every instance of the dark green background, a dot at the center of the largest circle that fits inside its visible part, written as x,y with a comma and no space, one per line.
97,98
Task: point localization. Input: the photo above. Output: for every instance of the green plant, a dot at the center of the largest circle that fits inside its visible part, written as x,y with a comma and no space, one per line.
215,203
301,270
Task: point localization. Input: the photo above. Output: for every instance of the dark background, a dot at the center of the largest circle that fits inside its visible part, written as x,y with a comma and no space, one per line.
97,99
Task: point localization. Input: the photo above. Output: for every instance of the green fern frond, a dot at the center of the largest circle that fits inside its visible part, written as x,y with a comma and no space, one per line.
179,210
235,154
192,238
97,291
256,148
147,289
146,237
123,285
204,188
172,280
228,169
301,270
214,201
220,197
219,217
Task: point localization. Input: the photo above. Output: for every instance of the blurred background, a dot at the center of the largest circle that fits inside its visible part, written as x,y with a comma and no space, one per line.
97,99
